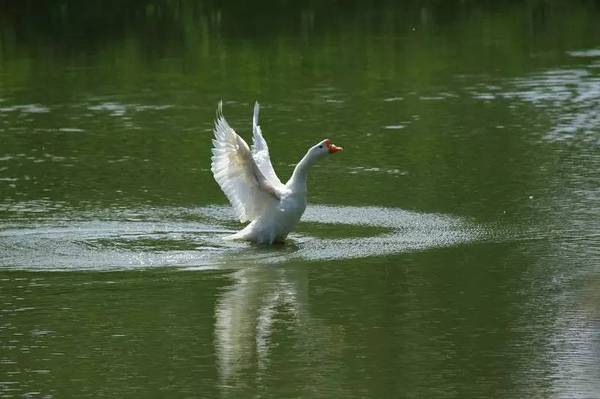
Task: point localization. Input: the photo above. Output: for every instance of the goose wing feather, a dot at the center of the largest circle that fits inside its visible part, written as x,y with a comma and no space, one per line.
260,150
238,174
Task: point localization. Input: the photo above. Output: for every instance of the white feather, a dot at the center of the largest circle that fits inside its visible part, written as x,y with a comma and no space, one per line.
233,169
260,150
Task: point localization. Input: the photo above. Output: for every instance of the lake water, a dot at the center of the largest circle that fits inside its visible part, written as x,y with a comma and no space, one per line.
451,251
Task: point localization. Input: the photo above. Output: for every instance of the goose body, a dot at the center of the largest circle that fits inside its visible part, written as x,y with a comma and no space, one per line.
256,194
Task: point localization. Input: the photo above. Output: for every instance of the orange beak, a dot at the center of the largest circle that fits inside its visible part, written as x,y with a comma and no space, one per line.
332,147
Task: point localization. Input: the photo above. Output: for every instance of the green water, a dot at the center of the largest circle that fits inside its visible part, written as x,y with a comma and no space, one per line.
451,251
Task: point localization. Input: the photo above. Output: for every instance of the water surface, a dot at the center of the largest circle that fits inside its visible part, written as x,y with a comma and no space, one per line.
452,250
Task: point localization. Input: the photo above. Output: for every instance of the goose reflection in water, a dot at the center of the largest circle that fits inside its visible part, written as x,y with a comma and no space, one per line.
267,308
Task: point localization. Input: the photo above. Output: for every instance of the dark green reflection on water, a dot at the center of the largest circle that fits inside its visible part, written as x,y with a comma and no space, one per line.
471,137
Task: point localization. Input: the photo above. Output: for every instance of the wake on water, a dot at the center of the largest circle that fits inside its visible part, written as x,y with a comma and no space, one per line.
193,237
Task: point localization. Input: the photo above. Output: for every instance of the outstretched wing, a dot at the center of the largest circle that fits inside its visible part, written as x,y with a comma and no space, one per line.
260,151
234,169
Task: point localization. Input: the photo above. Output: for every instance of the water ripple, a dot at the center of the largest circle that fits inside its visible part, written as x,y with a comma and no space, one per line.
193,237
570,96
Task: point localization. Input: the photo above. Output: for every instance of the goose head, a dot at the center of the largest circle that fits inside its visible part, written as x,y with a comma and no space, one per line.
314,154
322,149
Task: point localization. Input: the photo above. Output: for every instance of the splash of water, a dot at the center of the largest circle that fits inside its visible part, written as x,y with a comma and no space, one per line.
193,237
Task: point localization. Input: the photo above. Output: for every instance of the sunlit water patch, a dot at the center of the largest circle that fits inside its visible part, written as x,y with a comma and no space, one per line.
573,95
26,109
570,97
193,237
115,108
590,53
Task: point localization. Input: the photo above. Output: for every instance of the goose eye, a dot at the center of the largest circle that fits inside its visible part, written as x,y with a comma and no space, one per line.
321,146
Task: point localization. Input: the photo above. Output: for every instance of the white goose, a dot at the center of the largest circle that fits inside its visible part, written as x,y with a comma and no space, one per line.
248,180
